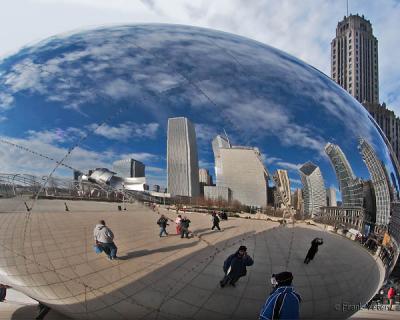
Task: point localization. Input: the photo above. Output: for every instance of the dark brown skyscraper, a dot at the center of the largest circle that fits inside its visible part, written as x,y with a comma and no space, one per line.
354,58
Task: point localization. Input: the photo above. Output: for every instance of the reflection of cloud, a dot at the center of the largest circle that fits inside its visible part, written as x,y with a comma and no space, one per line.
269,160
140,156
127,130
288,165
205,164
6,101
15,160
2,118
295,181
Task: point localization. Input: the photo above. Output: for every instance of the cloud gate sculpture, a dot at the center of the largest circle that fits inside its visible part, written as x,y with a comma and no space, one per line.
194,121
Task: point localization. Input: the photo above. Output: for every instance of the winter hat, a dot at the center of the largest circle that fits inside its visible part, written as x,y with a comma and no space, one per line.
284,278
242,248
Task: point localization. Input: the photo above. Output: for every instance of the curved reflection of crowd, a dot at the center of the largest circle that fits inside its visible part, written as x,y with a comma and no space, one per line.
375,243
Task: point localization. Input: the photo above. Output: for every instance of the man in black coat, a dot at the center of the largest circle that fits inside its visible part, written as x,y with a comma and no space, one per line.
313,250
185,222
215,221
235,267
163,223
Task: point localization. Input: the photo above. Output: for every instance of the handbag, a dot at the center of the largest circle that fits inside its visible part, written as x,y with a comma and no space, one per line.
98,248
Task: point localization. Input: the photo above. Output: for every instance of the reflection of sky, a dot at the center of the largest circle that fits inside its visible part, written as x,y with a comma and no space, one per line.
131,79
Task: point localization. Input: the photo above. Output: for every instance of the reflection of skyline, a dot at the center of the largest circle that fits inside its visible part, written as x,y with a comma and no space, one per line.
277,129
262,96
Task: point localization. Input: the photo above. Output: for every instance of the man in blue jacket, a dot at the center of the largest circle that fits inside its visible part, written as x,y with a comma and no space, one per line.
235,267
284,302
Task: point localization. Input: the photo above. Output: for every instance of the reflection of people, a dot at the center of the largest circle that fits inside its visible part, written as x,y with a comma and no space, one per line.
105,238
284,302
3,292
391,295
163,223
235,266
185,222
215,221
313,250
178,224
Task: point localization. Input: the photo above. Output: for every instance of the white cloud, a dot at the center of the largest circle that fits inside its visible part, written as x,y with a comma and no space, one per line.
2,118
127,130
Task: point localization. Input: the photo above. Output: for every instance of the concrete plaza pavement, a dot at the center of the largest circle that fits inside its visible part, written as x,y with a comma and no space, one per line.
48,255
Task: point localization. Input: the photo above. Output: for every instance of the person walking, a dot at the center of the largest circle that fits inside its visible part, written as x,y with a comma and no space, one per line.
215,221
283,302
391,296
163,223
178,224
104,237
235,266
3,291
313,249
185,222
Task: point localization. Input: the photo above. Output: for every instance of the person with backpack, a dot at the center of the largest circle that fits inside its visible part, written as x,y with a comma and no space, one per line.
235,267
215,221
163,223
104,237
185,222
283,302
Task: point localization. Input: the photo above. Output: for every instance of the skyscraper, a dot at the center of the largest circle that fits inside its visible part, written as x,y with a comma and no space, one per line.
129,168
331,197
380,182
182,160
204,179
350,187
244,173
297,201
354,56
354,66
282,184
313,189
218,143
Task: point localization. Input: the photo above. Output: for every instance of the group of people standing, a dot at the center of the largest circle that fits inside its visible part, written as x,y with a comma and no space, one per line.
182,225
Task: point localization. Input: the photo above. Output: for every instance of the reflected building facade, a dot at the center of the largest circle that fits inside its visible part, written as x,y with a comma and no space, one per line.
313,189
217,193
245,174
282,184
129,168
182,160
204,179
350,187
218,143
331,197
379,181
297,201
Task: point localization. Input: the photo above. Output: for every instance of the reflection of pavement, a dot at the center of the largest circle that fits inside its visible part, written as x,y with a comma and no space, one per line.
20,307
375,314
177,278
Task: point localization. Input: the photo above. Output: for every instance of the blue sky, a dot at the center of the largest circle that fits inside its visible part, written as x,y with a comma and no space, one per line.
117,87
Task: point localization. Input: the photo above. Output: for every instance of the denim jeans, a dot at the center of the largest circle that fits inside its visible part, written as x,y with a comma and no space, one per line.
162,230
110,249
